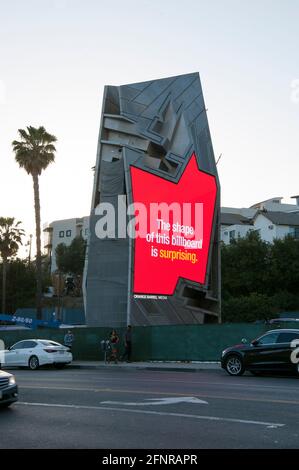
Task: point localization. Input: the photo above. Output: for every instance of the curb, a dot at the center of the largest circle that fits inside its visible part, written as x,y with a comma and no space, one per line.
167,368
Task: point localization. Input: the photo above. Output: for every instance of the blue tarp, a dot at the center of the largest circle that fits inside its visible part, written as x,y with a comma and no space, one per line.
27,317
28,322
71,316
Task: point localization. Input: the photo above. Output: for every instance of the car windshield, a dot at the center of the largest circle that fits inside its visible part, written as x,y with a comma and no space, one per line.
269,338
18,345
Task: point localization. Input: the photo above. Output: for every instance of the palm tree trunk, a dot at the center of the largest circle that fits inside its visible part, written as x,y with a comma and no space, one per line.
4,264
38,248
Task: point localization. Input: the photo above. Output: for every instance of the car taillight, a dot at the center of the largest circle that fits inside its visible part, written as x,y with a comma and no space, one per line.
50,350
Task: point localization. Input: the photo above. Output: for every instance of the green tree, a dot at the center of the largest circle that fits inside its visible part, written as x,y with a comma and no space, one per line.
61,255
20,292
10,240
245,266
285,265
70,259
34,152
259,280
247,308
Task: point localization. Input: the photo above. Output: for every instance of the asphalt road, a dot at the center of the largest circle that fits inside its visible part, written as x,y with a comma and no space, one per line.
130,409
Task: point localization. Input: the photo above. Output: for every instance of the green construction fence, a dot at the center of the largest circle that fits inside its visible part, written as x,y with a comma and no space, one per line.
151,343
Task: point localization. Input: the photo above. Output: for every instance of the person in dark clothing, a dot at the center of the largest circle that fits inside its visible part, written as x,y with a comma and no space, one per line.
128,344
69,339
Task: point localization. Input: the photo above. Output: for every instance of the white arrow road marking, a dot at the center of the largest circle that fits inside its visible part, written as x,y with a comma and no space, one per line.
158,401
147,412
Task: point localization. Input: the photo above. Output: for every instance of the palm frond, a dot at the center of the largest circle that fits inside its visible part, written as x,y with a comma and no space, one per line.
10,237
35,151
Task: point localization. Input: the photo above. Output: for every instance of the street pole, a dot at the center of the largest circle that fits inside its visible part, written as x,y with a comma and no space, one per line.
59,295
30,243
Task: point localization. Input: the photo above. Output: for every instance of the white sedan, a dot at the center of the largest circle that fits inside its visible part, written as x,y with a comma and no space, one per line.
33,353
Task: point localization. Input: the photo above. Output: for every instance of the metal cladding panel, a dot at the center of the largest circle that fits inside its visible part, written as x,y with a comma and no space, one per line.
157,127
107,280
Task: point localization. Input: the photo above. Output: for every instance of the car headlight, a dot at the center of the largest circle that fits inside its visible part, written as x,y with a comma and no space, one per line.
11,380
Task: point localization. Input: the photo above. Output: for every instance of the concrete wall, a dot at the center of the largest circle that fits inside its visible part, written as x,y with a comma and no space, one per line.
283,230
153,343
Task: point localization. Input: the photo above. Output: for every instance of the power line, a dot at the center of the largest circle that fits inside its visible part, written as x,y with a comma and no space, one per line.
218,159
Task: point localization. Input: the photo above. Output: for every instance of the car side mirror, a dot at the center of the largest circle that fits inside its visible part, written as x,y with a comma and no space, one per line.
254,342
244,340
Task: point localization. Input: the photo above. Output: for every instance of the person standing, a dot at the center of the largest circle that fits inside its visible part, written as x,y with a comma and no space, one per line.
69,339
114,340
128,344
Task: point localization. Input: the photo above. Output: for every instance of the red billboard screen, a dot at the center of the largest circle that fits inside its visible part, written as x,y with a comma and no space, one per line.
173,223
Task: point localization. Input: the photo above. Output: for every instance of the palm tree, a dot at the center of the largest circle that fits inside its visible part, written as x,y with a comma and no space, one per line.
10,239
34,153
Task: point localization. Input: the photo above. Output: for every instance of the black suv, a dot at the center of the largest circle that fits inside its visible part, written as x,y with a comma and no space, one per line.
276,350
8,389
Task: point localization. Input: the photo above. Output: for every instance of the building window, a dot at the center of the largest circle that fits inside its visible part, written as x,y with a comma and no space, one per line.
232,235
61,234
295,232
68,233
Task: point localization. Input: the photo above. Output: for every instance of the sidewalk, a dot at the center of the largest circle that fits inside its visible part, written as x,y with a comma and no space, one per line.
155,365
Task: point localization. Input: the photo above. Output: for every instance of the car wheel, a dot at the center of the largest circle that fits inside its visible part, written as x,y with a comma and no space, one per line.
33,363
234,365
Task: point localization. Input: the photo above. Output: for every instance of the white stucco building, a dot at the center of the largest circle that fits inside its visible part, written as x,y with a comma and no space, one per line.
234,226
63,231
271,218
271,225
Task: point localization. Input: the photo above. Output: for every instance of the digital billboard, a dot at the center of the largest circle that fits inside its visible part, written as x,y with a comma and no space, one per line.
174,223
154,229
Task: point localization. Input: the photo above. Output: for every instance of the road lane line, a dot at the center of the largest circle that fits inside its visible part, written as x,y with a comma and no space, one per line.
159,413
158,401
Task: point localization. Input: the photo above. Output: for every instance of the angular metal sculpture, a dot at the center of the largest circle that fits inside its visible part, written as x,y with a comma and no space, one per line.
161,128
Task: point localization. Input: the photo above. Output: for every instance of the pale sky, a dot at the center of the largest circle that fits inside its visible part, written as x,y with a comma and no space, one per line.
57,55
